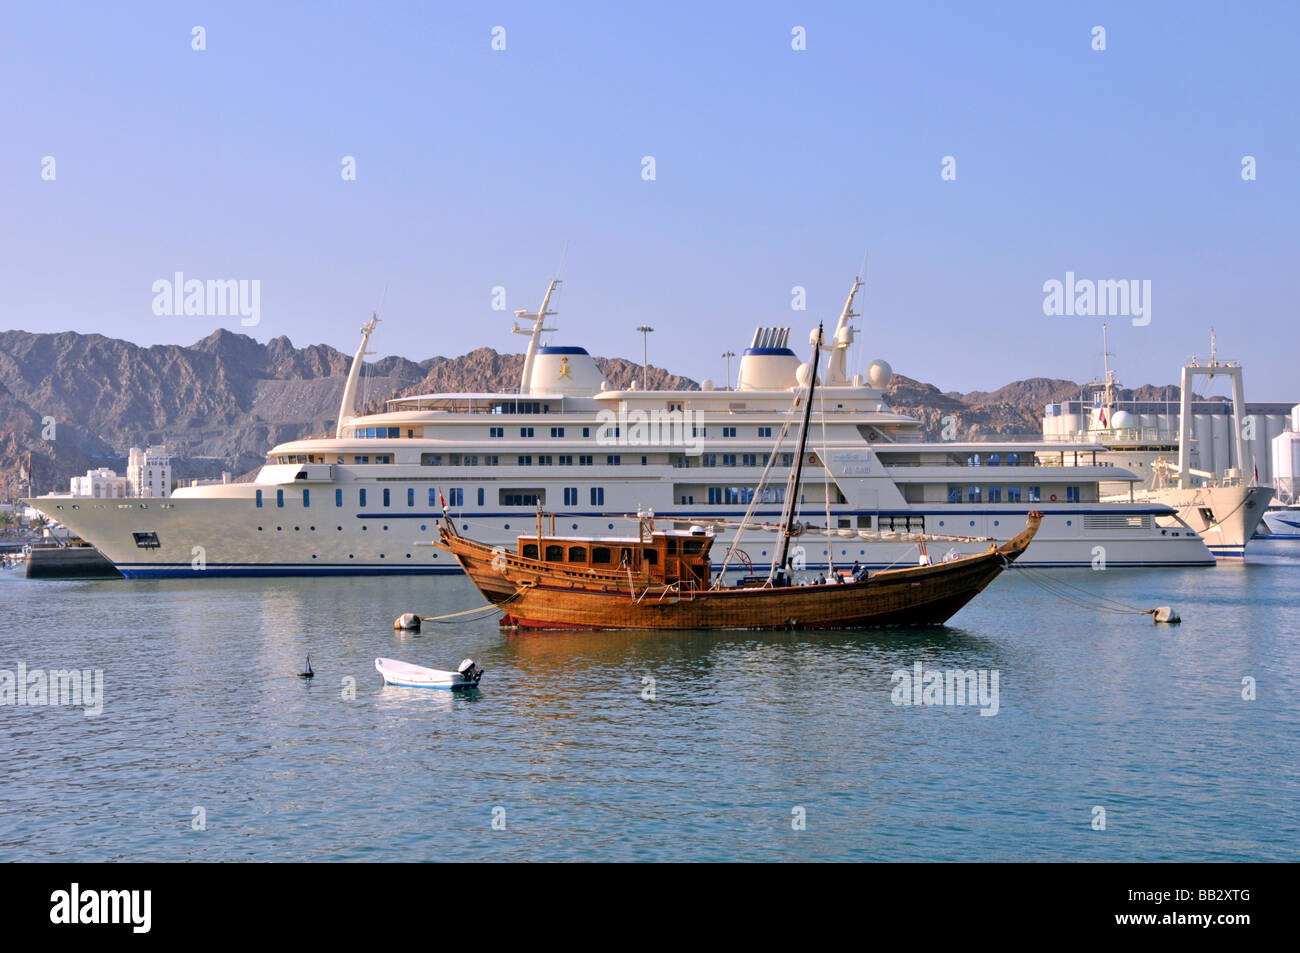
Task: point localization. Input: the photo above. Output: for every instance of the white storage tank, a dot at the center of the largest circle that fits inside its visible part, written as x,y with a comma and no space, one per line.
1286,462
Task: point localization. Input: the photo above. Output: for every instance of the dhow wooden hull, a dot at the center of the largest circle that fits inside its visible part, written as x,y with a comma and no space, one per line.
536,596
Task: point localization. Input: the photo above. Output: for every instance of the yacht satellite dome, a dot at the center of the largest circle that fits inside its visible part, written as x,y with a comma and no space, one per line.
880,374
1122,420
706,384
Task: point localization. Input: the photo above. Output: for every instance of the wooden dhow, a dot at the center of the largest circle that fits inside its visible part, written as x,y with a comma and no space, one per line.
661,579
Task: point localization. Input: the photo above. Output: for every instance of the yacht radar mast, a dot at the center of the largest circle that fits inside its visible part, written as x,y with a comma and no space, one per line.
347,406
534,334
837,372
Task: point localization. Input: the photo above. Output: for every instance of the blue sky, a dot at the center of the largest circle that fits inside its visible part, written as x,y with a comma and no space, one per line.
774,168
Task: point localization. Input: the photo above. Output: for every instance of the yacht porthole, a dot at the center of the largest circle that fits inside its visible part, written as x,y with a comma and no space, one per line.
575,525
996,523
972,522
1069,522
423,527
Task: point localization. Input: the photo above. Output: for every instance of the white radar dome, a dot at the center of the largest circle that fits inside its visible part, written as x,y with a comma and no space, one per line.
1122,420
880,374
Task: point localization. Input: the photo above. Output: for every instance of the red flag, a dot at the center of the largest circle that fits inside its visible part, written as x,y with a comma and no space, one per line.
442,502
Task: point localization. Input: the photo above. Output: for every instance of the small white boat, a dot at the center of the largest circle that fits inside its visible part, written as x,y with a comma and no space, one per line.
417,676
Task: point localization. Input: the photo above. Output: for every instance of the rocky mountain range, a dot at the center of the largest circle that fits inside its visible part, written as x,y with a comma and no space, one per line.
78,401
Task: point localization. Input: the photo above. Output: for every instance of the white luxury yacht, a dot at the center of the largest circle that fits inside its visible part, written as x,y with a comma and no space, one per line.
365,499
1213,483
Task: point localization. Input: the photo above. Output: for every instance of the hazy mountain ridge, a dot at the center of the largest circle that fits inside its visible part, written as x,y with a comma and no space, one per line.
222,402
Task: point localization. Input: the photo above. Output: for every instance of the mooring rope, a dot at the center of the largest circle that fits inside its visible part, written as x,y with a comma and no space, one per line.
486,610
1075,595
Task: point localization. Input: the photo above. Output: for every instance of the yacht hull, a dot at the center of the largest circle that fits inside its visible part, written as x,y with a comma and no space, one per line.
1226,517
232,537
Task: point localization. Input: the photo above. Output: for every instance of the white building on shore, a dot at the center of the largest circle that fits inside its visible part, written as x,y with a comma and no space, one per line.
101,484
149,472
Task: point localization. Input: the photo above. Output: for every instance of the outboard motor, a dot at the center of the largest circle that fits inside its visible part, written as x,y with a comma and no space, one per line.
471,671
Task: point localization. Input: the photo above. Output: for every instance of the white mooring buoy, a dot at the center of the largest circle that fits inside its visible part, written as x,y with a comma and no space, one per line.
1166,614
408,622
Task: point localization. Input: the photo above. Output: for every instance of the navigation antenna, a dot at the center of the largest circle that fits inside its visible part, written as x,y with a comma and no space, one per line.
1108,394
365,378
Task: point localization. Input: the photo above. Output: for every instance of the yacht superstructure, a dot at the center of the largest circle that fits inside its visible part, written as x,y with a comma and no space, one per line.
366,499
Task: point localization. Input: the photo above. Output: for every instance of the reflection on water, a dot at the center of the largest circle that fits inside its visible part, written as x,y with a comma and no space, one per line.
653,745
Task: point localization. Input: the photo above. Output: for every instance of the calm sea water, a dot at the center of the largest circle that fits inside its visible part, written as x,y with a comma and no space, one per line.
203,711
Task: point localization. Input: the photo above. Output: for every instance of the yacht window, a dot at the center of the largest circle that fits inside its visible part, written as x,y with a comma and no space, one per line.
577,554
554,553
600,554
530,551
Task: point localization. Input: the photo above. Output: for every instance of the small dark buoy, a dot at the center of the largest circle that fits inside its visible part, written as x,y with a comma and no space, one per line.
306,670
